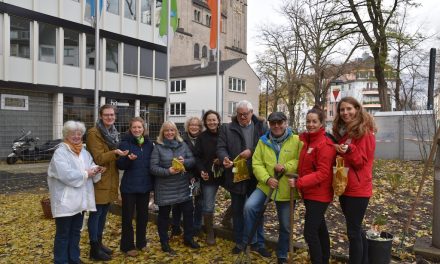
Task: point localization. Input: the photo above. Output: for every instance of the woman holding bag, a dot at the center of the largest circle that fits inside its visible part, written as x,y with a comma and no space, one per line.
315,184
354,129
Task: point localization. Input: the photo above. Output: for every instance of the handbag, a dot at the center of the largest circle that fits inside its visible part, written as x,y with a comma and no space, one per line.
340,177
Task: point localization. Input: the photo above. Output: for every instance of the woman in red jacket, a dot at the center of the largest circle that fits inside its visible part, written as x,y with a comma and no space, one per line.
315,184
354,129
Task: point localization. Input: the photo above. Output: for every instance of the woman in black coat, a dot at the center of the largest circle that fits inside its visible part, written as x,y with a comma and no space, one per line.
135,187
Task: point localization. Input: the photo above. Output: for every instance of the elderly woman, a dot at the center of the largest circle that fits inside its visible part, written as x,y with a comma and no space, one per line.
172,182
193,128
136,185
70,175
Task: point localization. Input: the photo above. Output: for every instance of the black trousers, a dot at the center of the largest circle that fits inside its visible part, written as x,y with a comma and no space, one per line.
316,232
163,220
354,211
130,203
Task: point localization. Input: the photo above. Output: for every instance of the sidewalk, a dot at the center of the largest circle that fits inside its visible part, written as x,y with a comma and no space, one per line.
21,177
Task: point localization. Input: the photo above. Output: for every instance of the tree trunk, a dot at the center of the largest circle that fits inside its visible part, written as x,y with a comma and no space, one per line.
382,85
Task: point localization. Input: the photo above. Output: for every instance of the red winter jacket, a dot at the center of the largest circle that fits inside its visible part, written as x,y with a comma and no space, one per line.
359,159
316,167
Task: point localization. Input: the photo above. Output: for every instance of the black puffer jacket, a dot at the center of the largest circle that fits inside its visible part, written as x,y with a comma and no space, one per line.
230,143
170,189
193,171
206,152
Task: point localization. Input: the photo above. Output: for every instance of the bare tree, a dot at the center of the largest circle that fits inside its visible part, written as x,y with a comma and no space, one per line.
321,27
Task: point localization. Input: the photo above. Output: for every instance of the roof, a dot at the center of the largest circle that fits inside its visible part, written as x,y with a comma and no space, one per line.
196,70
404,113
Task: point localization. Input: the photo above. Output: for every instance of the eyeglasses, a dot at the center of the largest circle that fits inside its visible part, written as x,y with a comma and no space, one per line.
278,123
108,115
245,114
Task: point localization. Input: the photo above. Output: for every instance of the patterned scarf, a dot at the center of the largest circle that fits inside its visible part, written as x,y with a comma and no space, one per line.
111,135
277,142
76,148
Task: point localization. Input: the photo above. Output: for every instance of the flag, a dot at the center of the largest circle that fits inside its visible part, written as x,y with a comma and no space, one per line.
213,5
164,17
91,13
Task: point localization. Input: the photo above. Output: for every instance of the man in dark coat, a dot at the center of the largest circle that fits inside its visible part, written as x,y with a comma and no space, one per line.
239,138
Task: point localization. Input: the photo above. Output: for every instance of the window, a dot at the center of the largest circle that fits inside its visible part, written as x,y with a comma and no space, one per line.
232,106
90,51
204,52
146,62
20,37
14,102
130,59
208,20
130,9
113,6
71,47
161,65
196,51
178,86
195,15
237,85
47,42
111,60
146,6
177,109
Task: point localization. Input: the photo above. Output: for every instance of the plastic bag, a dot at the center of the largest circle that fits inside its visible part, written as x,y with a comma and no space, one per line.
177,165
195,188
240,170
340,177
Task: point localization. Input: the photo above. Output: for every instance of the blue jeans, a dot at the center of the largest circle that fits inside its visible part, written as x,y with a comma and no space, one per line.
253,207
96,222
209,193
67,236
238,223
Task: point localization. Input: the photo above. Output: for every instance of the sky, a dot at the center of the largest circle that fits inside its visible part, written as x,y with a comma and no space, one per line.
262,12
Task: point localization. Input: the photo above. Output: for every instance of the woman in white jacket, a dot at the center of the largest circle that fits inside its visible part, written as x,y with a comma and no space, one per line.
70,178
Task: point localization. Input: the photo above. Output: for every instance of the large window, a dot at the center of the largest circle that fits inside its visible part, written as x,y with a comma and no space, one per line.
71,47
20,37
112,56
204,52
161,65
130,59
178,86
146,63
47,42
237,85
113,6
146,6
232,107
90,51
196,51
130,9
178,109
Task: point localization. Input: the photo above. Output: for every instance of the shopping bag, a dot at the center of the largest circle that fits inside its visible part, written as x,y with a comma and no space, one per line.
340,176
240,170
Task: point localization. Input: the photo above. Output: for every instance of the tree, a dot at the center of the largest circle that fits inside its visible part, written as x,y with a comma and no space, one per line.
321,27
373,27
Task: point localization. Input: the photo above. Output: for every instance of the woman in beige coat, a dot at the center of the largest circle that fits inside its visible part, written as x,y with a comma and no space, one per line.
103,142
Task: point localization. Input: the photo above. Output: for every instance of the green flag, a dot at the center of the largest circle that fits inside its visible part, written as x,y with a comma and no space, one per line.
164,17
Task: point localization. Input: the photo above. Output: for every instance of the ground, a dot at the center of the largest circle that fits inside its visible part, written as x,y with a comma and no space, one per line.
26,236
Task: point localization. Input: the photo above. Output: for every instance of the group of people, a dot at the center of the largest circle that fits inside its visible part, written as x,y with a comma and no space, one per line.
87,179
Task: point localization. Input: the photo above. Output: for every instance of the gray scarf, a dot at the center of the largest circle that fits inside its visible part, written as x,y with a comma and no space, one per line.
111,135
277,142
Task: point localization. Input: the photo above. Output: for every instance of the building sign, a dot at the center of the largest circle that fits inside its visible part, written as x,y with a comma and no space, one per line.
14,102
335,95
116,103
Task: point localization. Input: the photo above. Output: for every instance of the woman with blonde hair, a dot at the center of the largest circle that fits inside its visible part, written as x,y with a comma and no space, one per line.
171,187
354,130
193,128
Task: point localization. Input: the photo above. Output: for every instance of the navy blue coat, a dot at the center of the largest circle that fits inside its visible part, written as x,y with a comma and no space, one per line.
137,177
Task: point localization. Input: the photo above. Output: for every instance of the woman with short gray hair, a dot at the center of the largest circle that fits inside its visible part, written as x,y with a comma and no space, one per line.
70,178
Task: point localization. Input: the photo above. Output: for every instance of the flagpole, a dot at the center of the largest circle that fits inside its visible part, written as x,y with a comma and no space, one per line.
217,79
97,9
167,101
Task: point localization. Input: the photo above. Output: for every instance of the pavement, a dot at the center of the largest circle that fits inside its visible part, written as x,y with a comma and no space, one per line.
22,176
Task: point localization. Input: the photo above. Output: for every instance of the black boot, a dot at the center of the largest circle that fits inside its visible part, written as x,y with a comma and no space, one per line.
104,248
166,248
96,252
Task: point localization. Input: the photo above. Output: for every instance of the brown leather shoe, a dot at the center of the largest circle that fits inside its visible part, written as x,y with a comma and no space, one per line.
131,253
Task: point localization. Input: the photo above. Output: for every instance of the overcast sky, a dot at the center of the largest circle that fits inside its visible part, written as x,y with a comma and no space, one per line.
261,12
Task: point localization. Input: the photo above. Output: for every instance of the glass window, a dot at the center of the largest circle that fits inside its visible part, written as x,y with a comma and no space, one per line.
177,109
178,86
161,65
196,51
47,42
130,9
231,107
112,56
146,63
20,37
146,6
237,85
204,52
71,47
90,51
130,59
113,6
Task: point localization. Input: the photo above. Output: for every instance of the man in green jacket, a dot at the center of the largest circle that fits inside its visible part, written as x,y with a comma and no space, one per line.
277,152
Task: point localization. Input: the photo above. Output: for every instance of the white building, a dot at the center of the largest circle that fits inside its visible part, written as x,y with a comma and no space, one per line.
193,89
